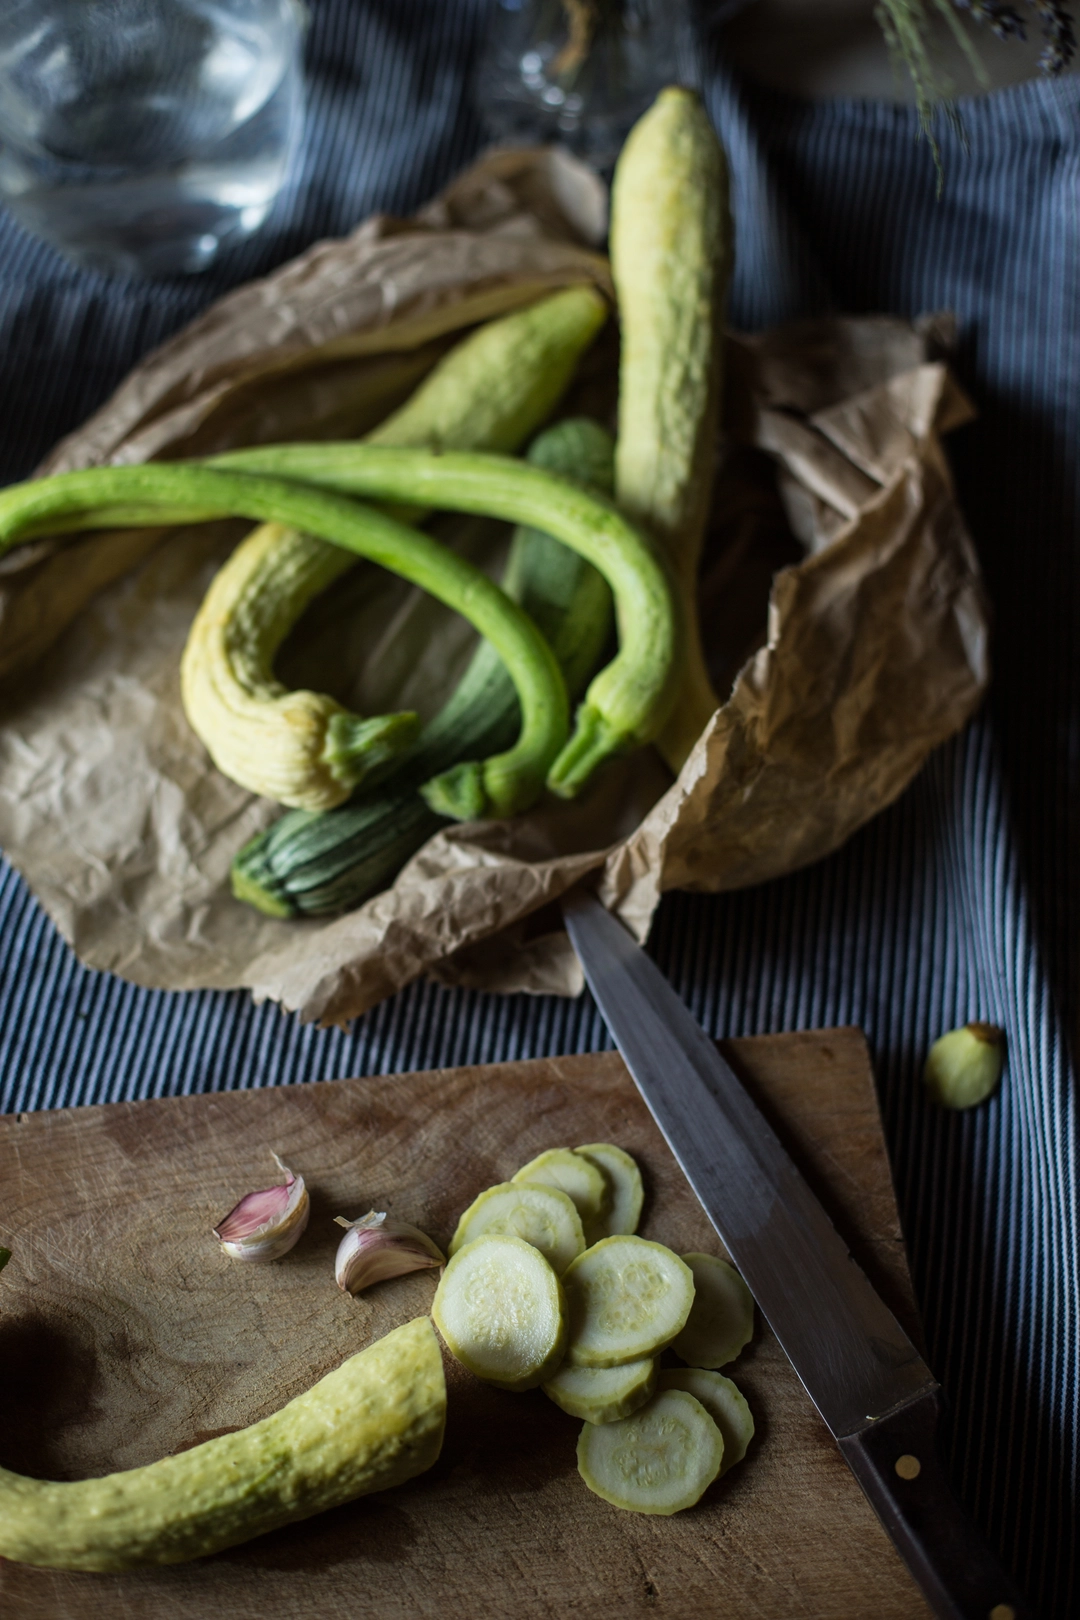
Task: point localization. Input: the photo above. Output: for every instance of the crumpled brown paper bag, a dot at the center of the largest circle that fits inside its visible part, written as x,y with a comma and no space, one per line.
868,650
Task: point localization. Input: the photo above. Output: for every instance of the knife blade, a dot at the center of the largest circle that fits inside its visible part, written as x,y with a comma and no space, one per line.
860,1369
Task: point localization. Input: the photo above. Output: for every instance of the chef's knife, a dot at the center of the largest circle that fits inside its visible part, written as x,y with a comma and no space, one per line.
858,1366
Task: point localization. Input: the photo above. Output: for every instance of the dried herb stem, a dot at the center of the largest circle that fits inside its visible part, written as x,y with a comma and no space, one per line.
906,26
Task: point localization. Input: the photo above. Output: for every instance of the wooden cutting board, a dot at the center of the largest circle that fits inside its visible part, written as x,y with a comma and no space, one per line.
126,1334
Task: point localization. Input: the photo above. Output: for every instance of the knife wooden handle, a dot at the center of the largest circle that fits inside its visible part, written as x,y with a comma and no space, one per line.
897,1464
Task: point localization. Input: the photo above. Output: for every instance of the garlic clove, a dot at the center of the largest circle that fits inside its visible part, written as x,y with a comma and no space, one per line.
377,1247
265,1225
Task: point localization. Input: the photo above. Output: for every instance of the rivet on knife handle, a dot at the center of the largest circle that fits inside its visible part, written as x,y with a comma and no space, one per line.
857,1364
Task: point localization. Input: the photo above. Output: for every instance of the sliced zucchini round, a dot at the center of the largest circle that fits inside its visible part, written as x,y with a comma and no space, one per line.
542,1216
585,1185
660,1460
721,1322
603,1394
500,1308
627,1299
626,1193
724,1402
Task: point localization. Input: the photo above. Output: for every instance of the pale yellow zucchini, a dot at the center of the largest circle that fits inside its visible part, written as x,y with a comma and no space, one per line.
670,260
584,1184
258,733
500,1308
374,1422
542,1216
724,1402
660,1460
495,388
625,1191
721,1321
603,1394
627,1299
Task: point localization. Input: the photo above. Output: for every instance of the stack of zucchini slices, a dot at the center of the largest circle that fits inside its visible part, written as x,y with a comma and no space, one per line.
548,1285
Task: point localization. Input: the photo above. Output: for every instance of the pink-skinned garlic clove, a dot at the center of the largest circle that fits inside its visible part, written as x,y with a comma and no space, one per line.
377,1247
265,1225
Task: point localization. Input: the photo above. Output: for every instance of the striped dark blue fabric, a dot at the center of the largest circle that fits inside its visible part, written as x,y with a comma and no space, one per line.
961,901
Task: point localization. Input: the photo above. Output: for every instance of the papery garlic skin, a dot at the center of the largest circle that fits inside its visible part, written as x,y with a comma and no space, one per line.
265,1225
377,1247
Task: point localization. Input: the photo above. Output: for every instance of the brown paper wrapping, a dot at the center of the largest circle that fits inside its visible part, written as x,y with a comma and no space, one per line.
844,654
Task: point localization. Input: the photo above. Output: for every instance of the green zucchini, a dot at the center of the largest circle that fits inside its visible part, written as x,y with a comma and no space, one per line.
316,865
510,781
624,705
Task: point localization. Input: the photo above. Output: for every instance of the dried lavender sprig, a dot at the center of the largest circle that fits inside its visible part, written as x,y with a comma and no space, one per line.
1055,22
1003,20
1059,36
906,23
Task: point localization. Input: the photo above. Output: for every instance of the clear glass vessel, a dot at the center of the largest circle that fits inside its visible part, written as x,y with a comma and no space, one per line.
140,136
579,72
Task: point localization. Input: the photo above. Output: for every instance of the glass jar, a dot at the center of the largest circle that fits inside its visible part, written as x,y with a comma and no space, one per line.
579,72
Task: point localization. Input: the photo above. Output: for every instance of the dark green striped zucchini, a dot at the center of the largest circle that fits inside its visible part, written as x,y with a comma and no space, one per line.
317,864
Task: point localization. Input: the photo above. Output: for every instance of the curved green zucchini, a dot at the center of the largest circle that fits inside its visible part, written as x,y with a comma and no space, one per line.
625,705
375,1422
93,498
628,702
314,864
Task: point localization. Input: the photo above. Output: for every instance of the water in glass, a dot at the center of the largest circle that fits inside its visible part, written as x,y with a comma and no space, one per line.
140,136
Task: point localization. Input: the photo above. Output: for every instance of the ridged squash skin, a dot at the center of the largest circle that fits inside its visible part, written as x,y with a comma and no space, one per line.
259,734
375,1422
670,260
303,749
502,382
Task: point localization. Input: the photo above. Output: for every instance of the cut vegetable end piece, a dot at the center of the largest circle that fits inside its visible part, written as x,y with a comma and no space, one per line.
593,741
964,1067
542,1216
583,1183
627,1299
626,1193
355,747
458,793
603,1394
725,1404
498,787
254,894
500,1308
721,1322
660,1460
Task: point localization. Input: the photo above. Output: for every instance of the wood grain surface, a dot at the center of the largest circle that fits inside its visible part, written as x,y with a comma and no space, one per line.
126,1334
